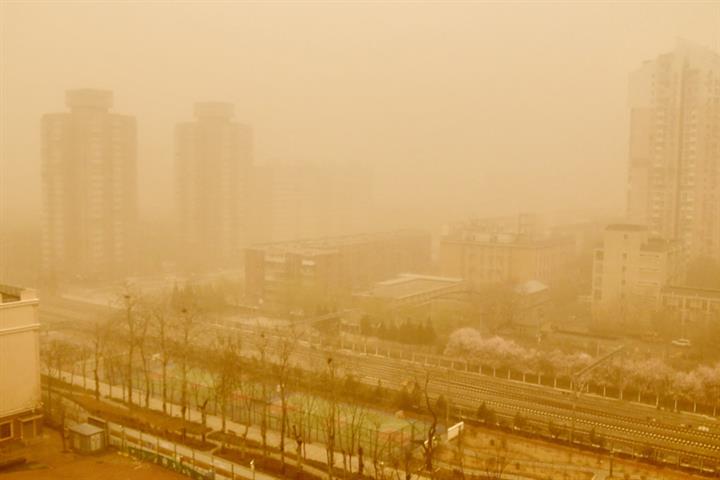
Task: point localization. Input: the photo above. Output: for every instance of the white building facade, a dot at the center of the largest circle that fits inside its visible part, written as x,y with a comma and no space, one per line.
20,399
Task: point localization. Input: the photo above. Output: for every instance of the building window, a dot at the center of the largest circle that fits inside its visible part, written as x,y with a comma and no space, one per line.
5,430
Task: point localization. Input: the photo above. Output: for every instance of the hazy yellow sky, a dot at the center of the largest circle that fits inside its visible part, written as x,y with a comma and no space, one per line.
459,107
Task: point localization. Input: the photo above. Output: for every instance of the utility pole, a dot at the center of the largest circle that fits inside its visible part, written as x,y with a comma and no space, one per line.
578,385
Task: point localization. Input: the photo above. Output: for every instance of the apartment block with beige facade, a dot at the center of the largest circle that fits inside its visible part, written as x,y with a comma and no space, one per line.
633,265
213,157
20,399
89,184
674,154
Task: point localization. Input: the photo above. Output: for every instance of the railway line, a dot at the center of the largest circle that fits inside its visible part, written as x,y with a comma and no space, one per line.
474,392
618,422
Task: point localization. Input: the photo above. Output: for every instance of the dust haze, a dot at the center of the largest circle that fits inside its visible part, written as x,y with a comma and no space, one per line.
264,236
481,107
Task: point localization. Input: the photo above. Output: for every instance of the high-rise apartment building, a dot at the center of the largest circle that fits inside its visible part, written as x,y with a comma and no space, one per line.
89,189
674,164
291,202
213,158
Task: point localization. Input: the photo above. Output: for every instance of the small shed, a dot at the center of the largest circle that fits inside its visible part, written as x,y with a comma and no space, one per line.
86,438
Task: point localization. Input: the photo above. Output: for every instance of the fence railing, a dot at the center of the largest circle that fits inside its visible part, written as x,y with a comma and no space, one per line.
186,460
558,382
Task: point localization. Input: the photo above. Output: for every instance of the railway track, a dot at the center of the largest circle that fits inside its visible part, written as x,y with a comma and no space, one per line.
610,419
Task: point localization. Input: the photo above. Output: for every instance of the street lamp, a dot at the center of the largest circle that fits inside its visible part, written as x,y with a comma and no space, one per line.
252,467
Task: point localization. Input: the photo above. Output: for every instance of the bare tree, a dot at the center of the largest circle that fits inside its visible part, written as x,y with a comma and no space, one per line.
353,417
129,303
187,325
225,371
144,321
161,323
284,348
108,367
330,415
302,421
248,402
429,445
98,340
297,435
262,347
495,464
54,355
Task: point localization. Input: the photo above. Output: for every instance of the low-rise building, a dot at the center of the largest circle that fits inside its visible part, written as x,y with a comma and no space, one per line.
634,266
331,267
482,257
693,304
409,289
20,399
533,302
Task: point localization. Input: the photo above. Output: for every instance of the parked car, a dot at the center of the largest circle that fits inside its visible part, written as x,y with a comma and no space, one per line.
681,342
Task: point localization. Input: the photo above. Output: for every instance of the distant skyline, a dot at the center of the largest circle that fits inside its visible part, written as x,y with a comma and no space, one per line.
459,108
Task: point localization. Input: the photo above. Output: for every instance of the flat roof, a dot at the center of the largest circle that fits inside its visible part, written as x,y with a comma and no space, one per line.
505,240
530,287
9,294
657,245
409,285
692,291
626,227
86,429
317,246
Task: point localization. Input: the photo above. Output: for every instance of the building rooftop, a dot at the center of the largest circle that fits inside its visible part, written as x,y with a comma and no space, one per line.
10,294
689,291
508,239
214,110
319,246
530,287
408,285
626,227
89,98
86,429
658,245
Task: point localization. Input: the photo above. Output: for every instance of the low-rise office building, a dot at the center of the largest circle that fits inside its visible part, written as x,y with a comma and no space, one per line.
482,257
331,267
692,304
409,289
